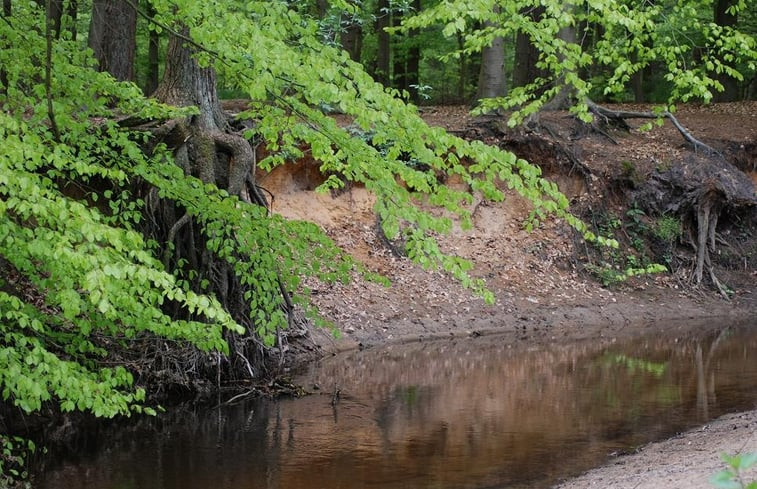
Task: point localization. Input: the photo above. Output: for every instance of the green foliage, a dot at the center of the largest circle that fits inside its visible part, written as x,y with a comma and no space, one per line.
14,452
590,47
615,266
668,229
80,275
610,274
732,477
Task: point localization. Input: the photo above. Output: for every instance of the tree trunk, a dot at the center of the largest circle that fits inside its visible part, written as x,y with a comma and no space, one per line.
321,7
54,11
7,11
462,68
352,40
207,149
153,57
725,19
383,17
351,37
526,55
562,99
491,80
414,59
186,83
399,55
72,11
112,37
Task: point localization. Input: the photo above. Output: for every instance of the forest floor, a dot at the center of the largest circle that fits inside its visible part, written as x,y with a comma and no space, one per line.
543,292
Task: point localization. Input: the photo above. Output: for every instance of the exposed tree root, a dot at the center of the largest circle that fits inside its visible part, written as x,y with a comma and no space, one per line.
700,190
206,146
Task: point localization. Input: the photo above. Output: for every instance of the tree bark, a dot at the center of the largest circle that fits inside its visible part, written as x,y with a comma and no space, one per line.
153,57
55,16
113,36
462,68
526,55
7,11
491,80
383,16
414,59
399,55
563,98
351,38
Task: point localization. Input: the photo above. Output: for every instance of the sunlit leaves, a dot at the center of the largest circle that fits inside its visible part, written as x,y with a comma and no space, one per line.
94,279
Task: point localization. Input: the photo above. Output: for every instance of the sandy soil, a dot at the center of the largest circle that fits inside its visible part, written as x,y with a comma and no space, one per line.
540,290
687,461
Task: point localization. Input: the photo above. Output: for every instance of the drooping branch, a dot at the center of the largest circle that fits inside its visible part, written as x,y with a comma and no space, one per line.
606,113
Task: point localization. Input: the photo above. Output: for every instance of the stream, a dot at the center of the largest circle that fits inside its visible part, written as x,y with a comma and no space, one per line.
489,412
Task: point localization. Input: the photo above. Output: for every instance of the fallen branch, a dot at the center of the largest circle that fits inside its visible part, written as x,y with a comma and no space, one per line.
624,114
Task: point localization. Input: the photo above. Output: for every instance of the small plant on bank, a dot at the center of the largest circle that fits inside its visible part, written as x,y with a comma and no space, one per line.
616,266
609,275
14,452
732,477
668,229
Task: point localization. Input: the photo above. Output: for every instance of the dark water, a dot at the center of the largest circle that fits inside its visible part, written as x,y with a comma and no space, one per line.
491,412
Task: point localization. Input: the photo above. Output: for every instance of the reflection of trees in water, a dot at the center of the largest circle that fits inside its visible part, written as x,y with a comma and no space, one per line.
490,403
706,375
451,414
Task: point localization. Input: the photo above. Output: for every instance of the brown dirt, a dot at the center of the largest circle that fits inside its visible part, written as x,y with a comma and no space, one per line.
540,291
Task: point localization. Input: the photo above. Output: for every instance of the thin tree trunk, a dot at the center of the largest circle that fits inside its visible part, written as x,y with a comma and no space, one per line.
414,59
351,37
383,17
562,99
7,11
72,11
113,37
55,16
321,7
399,55
352,40
153,57
462,69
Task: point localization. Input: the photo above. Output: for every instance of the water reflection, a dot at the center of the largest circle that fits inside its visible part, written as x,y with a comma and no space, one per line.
457,414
